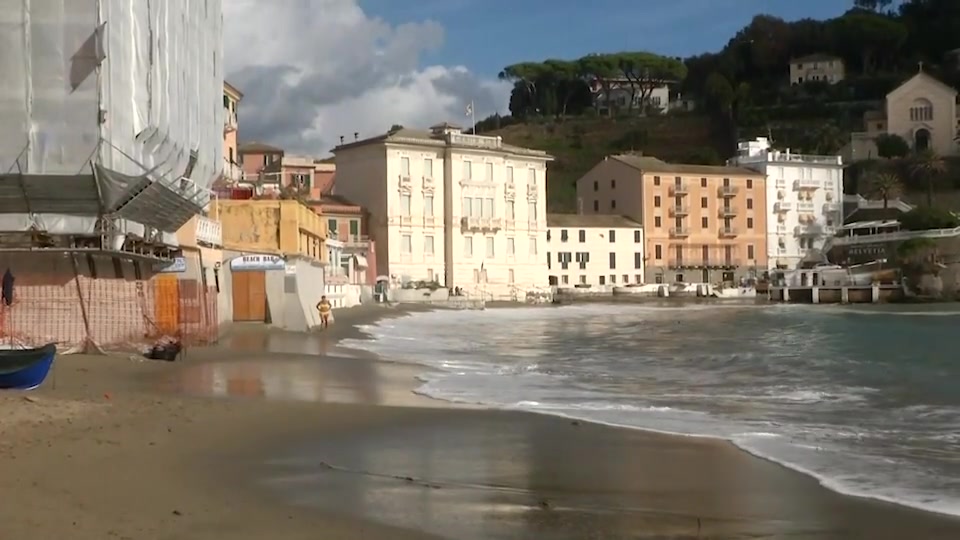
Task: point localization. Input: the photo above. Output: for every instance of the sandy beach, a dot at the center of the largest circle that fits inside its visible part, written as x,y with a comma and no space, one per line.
279,435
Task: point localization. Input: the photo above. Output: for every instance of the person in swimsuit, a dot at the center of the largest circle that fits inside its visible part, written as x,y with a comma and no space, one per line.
324,307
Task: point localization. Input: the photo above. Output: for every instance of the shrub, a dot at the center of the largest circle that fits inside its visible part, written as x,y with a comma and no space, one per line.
927,218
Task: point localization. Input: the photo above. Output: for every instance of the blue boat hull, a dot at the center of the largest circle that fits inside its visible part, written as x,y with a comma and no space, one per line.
32,367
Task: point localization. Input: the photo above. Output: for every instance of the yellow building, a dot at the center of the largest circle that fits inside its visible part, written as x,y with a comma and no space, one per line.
279,227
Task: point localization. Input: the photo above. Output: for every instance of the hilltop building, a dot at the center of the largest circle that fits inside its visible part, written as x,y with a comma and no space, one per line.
465,211
700,223
804,200
825,68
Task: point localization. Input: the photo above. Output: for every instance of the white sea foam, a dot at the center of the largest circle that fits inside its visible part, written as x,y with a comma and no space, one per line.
810,422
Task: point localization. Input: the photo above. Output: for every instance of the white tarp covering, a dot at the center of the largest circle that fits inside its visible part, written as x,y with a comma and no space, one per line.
134,86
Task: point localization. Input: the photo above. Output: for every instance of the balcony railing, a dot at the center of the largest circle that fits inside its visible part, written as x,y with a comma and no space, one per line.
680,210
679,188
780,183
806,183
209,231
728,191
728,232
806,207
679,232
783,206
481,223
356,240
831,207
727,211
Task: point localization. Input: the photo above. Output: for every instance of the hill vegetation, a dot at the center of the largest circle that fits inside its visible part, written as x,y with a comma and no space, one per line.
741,91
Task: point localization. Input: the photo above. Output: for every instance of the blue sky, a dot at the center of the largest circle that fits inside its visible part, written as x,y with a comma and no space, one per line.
485,35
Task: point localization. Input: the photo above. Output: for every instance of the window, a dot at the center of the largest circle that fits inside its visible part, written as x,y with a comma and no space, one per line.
582,234
405,166
468,246
428,245
637,237
563,235
467,170
465,206
613,236
656,180
510,276
491,245
749,183
531,211
749,222
510,209
922,111
749,202
532,177
636,278
332,226
596,185
613,204
705,222
750,251
603,280
656,201
406,244
428,205
583,279
489,167
638,260
487,211
565,279
613,184
533,246
476,275
354,227
613,260
705,254
564,260
704,203
405,204
679,278
583,258
656,221
511,246
658,251
596,206
613,279
703,183
549,262
476,207
427,167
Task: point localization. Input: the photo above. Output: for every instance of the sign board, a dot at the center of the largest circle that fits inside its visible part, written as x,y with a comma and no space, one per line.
256,262
178,266
291,269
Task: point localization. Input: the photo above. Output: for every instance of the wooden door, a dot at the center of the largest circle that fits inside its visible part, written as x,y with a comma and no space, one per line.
166,306
249,296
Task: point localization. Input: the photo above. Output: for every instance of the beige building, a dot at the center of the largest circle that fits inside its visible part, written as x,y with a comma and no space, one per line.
923,111
461,210
594,250
231,159
817,68
701,224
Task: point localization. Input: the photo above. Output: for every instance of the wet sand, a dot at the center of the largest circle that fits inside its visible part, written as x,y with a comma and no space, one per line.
338,447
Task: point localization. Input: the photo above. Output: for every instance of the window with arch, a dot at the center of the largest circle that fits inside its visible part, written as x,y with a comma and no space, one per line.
921,111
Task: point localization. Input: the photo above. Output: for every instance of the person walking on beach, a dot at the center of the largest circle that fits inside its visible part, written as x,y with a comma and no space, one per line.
324,307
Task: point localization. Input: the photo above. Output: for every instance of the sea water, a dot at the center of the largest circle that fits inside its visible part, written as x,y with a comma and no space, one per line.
867,400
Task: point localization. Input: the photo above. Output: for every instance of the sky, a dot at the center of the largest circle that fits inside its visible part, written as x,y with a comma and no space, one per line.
314,70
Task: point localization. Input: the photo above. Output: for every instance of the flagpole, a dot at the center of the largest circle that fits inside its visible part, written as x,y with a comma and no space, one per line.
473,117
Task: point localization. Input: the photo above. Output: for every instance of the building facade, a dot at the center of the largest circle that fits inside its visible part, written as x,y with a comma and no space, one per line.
232,172
347,223
460,210
594,250
824,68
804,200
701,224
624,95
922,110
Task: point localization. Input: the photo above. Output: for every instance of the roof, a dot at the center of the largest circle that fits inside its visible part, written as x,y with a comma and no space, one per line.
816,57
233,89
605,221
871,224
258,147
431,138
652,164
927,78
861,215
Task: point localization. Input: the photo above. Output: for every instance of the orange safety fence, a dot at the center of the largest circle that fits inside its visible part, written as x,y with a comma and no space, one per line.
110,313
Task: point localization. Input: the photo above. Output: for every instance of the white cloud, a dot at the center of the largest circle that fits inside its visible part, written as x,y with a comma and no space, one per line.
313,70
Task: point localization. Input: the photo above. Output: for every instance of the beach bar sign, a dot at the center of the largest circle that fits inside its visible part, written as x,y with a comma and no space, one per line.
177,266
252,263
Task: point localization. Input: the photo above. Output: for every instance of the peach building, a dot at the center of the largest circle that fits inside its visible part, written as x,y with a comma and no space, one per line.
702,224
231,126
347,223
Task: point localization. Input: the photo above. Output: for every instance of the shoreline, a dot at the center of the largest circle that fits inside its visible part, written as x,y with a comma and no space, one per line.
184,465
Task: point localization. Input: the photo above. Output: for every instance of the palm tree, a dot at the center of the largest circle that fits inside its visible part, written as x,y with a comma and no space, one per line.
883,185
927,166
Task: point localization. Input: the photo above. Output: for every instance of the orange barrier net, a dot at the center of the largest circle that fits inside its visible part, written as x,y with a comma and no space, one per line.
109,313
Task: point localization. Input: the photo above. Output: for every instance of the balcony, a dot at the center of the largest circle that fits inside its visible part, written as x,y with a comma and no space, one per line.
727,211
782,207
429,184
679,232
232,171
481,223
806,183
728,191
680,210
808,231
781,229
406,182
679,188
806,207
229,120
728,232
780,183
209,232
357,240
831,207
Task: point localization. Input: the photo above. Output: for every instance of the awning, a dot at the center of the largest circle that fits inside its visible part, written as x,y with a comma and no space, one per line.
361,261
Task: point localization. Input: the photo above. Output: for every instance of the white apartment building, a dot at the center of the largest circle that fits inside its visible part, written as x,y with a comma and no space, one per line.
594,250
462,210
804,199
